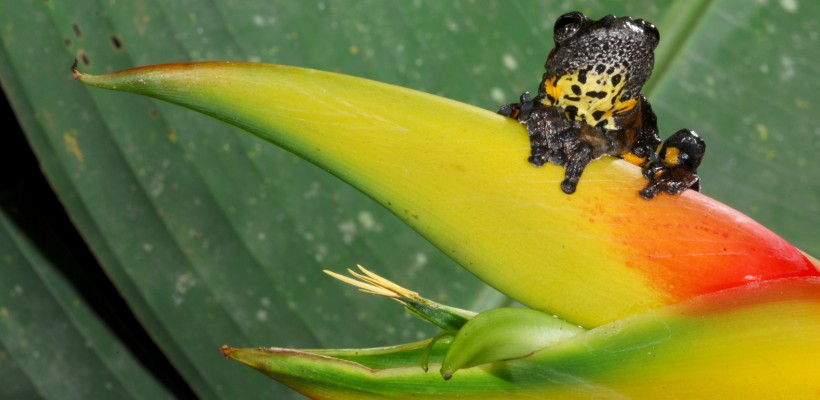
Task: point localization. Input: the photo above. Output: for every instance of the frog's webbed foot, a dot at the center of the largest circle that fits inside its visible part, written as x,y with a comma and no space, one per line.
549,131
674,168
519,111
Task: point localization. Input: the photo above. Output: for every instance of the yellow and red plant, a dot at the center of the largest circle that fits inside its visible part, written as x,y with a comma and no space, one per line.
680,297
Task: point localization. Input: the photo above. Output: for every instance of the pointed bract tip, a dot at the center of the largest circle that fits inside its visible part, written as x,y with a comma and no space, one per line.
446,372
226,350
812,260
75,71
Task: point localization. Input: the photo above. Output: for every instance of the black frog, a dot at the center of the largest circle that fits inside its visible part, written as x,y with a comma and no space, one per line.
589,105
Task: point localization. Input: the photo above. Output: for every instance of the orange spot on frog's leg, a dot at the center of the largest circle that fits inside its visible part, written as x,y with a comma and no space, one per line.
671,157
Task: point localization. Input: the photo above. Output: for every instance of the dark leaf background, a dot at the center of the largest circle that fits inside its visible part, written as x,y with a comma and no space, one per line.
171,234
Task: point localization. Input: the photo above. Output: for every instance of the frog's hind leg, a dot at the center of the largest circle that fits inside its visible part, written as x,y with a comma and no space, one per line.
675,167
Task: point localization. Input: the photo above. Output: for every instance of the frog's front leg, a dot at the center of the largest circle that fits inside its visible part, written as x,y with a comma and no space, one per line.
571,144
549,133
674,168
547,128
581,145
557,140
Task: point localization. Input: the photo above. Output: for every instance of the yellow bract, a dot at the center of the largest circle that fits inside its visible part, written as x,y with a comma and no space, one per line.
459,175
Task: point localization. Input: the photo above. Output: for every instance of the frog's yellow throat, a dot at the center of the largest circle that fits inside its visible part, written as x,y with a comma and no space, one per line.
594,99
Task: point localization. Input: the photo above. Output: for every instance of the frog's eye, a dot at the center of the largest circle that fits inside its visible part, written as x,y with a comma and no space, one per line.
567,25
650,28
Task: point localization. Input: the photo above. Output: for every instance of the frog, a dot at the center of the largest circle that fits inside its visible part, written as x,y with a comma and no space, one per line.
590,105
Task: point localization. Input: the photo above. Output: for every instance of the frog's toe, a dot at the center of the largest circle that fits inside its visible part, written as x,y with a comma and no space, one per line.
520,111
672,180
569,185
680,185
575,165
538,159
651,190
508,110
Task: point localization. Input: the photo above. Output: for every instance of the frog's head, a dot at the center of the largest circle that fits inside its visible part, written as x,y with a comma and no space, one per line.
610,43
596,65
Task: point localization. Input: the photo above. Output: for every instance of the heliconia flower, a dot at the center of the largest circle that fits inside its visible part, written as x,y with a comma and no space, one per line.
757,341
677,297
459,176
477,338
445,317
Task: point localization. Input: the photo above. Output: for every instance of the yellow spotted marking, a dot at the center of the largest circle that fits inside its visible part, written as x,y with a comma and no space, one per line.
597,99
671,157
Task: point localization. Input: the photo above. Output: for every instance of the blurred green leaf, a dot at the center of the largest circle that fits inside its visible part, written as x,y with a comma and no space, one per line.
212,236
53,341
